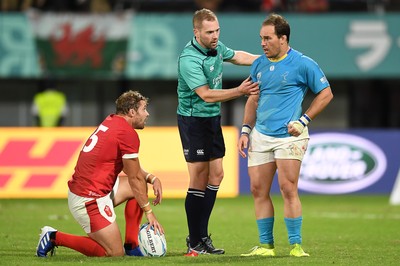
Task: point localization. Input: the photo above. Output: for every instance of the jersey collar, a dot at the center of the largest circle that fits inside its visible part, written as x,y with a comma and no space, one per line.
282,57
198,47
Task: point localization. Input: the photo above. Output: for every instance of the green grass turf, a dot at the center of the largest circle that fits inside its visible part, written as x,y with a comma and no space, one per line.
337,230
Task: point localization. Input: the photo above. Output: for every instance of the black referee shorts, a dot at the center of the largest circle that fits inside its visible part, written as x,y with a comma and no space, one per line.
201,138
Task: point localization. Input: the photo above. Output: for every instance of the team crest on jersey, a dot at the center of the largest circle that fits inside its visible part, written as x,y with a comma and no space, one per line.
271,68
284,75
108,211
212,68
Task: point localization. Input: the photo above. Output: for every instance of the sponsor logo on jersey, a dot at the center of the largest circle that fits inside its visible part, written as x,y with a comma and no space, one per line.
217,80
337,163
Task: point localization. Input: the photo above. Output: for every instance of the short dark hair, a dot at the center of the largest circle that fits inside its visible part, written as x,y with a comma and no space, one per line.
129,100
281,25
201,15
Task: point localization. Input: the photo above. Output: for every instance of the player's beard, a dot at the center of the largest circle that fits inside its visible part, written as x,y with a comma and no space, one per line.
143,124
139,124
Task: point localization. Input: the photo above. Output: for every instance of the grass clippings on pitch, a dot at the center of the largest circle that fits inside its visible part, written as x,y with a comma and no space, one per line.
337,230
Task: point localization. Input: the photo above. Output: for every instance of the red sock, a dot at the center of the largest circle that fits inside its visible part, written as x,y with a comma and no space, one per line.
133,218
82,244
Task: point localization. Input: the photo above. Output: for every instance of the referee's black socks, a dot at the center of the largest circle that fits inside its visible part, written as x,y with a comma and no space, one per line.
194,206
209,201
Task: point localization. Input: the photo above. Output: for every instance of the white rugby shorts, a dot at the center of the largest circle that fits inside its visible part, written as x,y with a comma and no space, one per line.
264,149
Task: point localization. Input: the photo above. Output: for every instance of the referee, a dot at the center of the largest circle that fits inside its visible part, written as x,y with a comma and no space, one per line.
200,95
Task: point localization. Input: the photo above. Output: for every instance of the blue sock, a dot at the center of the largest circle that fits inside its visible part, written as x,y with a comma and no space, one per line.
293,226
265,230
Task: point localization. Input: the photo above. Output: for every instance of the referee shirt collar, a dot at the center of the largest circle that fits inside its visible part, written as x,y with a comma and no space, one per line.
194,42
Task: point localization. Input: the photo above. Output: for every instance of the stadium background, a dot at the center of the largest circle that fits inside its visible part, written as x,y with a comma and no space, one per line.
95,50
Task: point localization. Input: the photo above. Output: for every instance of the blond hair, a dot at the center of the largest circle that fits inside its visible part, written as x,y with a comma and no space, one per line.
202,15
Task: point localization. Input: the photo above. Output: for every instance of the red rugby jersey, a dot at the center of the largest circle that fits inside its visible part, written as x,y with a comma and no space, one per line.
100,160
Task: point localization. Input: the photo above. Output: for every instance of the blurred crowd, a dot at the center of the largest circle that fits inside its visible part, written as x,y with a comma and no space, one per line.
302,6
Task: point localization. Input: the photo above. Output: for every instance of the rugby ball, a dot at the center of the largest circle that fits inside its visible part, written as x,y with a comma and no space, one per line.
151,244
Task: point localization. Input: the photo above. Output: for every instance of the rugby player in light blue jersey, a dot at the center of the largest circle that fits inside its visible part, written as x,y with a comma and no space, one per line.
275,130
200,95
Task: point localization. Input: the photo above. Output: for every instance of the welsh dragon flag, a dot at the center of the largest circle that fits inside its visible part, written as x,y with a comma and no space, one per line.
89,45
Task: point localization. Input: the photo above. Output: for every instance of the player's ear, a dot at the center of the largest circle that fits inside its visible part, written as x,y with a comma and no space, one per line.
132,112
284,39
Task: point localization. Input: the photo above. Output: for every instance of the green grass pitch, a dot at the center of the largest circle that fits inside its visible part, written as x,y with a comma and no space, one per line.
337,230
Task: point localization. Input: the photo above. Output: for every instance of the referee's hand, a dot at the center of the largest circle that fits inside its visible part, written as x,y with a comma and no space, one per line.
248,87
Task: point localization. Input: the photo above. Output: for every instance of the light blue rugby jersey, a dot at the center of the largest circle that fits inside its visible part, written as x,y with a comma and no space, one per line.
196,69
283,86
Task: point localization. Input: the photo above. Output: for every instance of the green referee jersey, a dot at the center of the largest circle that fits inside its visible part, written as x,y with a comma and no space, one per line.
195,69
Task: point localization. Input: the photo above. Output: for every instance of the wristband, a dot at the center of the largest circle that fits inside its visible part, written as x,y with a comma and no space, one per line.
304,120
144,206
246,129
153,179
148,212
147,176
301,123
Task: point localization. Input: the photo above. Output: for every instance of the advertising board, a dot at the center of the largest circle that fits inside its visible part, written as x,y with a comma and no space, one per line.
341,162
38,162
